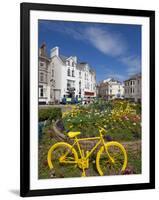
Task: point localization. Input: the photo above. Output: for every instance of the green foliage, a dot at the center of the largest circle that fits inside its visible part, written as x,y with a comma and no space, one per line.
49,114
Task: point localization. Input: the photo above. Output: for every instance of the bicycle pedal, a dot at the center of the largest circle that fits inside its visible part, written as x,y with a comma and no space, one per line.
83,174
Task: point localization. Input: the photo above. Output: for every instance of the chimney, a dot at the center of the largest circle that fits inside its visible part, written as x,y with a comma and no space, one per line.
42,50
54,52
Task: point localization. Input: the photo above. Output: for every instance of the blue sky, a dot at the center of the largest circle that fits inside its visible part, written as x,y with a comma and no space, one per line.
113,50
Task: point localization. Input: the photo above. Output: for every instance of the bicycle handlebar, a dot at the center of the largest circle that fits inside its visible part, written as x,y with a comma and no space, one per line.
101,129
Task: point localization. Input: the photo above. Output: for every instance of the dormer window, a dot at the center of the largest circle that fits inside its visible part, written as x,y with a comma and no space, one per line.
70,63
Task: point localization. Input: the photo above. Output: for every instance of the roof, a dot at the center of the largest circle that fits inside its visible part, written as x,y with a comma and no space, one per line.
111,80
134,77
63,58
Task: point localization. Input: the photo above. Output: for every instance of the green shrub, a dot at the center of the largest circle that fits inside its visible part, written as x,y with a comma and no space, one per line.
138,108
49,114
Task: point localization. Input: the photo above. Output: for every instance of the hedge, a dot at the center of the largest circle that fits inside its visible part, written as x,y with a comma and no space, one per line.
49,114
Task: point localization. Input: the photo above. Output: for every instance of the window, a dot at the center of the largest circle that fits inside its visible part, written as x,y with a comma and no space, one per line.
131,90
68,72
41,91
88,85
41,64
70,84
52,73
73,73
41,77
70,62
45,77
79,73
53,83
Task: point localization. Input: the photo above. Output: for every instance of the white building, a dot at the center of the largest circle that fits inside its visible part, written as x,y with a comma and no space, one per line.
110,89
72,78
67,77
132,88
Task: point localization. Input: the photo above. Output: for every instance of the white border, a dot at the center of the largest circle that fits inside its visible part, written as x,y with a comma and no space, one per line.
88,181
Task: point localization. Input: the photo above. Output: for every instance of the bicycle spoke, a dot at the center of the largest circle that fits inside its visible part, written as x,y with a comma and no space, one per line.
111,163
64,163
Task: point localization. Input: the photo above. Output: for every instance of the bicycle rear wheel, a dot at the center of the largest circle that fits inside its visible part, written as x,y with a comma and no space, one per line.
62,158
112,160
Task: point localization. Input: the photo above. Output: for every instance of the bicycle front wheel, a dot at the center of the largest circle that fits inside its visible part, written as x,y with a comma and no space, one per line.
62,158
111,159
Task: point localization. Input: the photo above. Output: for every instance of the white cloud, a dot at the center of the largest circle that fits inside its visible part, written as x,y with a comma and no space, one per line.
105,41
133,64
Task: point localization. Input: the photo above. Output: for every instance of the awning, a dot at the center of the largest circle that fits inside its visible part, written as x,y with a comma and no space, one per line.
89,93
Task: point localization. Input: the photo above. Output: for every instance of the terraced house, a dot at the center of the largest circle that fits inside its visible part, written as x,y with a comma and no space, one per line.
132,88
44,76
66,77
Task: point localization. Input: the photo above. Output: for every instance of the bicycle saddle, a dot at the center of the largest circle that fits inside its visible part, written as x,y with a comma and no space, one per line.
73,134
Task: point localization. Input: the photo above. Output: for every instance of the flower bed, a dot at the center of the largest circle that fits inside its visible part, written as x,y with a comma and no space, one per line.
120,118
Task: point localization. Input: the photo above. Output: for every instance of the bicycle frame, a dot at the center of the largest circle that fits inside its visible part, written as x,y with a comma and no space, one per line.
77,140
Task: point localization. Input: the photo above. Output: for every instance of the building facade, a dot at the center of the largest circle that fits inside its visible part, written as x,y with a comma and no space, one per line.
67,77
44,76
132,88
110,89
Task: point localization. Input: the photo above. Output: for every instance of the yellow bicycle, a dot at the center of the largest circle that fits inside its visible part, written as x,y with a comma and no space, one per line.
111,156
